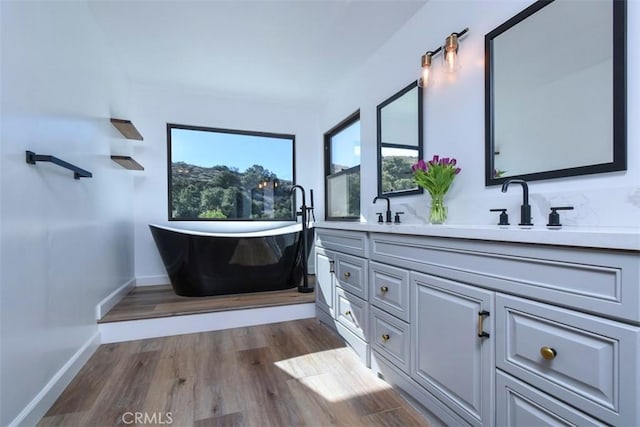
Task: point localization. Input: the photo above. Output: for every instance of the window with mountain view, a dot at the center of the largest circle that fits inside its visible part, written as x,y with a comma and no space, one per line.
222,174
342,170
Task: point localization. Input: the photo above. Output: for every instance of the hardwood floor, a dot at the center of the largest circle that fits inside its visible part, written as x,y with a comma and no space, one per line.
146,302
296,373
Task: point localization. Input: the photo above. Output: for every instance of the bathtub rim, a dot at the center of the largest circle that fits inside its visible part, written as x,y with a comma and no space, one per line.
287,229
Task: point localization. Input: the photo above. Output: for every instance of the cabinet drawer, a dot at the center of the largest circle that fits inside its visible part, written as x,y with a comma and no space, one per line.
357,344
519,404
389,289
352,312
590,362
351,273
348,242
391,338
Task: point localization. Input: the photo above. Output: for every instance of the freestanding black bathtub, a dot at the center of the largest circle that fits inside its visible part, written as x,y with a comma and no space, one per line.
204,264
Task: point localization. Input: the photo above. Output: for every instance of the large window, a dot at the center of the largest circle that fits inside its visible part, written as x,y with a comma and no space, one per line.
222,174
342,170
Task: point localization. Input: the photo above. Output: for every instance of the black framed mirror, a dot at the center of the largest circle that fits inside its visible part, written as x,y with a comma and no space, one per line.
555,91
399,123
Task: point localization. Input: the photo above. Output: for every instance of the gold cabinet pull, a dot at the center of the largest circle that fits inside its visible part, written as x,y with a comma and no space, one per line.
347,274
481,316
347,313
385,337
384,289
548,353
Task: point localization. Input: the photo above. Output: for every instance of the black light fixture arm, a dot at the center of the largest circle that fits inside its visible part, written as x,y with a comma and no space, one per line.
461,33
434,52
78,173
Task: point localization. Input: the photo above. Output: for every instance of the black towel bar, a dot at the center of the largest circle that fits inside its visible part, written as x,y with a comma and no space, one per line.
78,173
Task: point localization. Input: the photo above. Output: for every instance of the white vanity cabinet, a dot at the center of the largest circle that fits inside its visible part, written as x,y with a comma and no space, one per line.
493,333
342,286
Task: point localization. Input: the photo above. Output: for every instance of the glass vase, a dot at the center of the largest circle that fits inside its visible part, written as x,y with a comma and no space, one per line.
438,214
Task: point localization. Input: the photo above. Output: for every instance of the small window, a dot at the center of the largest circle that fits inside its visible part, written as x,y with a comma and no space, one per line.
342,170
222,174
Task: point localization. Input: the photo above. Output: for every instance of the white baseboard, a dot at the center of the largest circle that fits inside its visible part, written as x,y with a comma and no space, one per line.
160,279
189,324
113,298
38,407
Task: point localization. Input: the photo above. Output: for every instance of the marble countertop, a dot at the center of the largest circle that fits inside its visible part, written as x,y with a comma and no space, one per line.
623,238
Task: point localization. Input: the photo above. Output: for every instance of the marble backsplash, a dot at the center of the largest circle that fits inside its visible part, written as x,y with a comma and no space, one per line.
612,207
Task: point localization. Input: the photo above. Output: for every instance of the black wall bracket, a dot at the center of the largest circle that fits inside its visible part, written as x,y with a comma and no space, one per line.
78,173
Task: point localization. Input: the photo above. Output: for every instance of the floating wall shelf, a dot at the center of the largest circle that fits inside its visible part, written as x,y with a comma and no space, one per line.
127,129
127,163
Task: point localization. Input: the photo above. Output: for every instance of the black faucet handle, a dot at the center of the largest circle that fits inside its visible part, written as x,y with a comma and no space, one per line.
380,218
396,218
504,217
554,216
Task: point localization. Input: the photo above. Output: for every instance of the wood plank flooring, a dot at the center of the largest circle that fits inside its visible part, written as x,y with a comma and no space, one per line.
296,373
147,302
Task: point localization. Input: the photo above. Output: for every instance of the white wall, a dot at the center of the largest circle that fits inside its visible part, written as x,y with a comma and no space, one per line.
156,106
454,122
66,244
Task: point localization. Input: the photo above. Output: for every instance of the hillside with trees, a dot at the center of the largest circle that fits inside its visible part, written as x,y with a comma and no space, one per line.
396,173
220,192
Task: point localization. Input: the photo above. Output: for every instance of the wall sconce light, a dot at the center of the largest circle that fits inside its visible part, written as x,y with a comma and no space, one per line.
451,51
450,57
423,81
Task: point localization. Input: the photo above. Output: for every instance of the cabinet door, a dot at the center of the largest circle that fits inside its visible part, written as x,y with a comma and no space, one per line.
449,359
325,281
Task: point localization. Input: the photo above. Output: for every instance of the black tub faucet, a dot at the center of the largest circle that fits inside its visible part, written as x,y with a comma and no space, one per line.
388,213
525,209
305,287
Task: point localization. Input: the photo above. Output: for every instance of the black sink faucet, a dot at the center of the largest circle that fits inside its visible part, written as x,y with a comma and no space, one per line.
388,213
525,209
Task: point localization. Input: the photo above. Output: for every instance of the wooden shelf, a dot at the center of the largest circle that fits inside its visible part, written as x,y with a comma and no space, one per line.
127,163
127,129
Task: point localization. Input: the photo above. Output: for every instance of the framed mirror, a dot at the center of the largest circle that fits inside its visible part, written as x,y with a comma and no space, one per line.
555,91
399,141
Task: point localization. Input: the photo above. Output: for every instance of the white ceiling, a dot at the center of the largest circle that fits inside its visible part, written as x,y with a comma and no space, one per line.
287,49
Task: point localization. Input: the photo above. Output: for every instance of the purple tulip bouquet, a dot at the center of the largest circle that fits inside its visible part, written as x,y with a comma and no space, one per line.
436,176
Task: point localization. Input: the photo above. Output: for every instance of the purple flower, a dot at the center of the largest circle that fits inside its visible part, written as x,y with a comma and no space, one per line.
435,175
421,165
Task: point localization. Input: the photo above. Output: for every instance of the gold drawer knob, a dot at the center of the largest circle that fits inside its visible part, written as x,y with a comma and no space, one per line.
548,353
384,289
347,313
347,274
385,337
